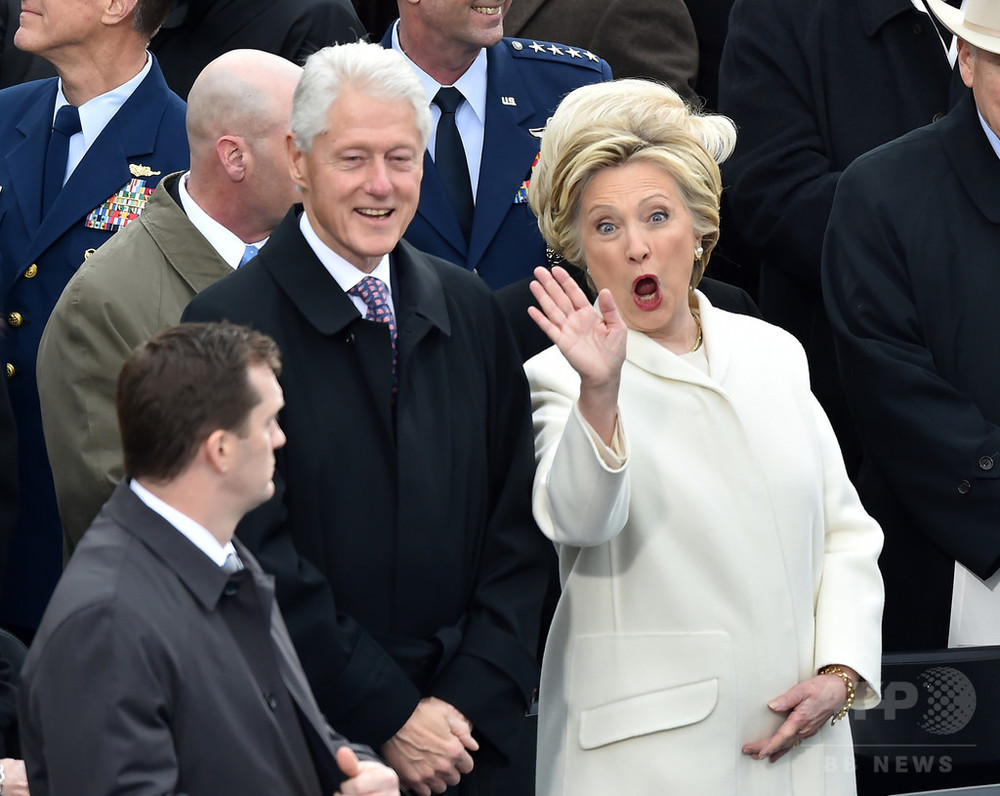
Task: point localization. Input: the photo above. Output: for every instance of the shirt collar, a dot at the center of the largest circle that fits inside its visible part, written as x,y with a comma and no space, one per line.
472,83
226,243
97,112
990,135
344,273
197,534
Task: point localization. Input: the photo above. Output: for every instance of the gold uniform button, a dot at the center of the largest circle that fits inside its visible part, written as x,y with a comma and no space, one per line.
15,319
87,253
30,273
10,371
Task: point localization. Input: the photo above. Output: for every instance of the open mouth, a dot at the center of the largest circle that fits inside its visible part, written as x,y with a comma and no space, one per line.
646,292
490,11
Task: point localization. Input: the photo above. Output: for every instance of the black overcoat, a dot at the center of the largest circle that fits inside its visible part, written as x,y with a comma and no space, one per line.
401,537
911,277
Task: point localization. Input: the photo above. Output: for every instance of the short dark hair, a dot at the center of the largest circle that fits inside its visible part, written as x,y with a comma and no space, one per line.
149,15
185,383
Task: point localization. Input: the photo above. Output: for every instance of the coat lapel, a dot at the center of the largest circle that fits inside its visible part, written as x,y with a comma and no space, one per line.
644,352
509,149
24,157
191,256
104,170
297,270
435,208
972,157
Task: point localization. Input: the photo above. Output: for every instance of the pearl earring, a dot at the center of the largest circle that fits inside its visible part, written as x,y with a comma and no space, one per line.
698,252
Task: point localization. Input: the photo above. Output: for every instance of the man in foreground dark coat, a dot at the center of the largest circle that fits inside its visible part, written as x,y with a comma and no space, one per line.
162,664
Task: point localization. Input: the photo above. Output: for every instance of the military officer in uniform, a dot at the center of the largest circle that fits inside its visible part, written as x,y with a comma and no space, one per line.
478,217
81,155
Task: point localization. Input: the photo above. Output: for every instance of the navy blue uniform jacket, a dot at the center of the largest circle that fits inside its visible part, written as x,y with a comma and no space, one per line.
37,258
525,82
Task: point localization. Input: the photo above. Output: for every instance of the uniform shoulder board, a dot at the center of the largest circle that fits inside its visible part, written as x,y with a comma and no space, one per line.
549,51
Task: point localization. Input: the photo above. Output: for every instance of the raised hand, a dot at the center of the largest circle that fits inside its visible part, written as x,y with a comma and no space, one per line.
592,342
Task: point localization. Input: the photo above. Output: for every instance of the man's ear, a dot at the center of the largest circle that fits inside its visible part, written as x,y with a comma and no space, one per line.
217,450
298,168
233,155
117,11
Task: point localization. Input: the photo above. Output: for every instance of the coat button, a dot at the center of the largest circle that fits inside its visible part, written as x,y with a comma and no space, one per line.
271,701
87,253
964,487
917,29
517,45
986,463
31,271
10,371
15,319
937,116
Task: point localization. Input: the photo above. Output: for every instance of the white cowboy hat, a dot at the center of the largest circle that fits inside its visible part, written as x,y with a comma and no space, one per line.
978,24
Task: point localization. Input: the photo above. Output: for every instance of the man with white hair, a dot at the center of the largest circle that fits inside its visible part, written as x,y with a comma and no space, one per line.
199,226
911,282
408,565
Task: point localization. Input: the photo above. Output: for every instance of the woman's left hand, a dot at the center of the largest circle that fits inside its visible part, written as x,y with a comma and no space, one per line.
809,705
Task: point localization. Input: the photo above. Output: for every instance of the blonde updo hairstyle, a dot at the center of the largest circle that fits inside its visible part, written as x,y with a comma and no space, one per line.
611,124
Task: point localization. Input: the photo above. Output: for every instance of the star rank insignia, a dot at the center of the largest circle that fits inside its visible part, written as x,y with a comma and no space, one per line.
554,50
591,56
573,53
538,48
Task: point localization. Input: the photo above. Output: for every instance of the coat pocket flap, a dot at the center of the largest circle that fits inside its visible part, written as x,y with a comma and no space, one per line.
648,713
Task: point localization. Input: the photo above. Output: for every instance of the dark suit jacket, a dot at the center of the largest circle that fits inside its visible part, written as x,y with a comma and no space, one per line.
8,474
910,272
153,672
199,31
637,39
401,537
505,244
840,77
37,258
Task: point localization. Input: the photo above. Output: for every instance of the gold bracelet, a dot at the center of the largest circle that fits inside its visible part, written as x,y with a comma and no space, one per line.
851,693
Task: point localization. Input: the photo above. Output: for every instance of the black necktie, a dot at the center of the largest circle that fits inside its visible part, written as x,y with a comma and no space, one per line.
66,125
449,158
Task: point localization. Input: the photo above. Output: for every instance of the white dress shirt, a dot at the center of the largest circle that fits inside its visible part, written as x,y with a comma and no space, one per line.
95,115
346,275
197,534
226,243
470,118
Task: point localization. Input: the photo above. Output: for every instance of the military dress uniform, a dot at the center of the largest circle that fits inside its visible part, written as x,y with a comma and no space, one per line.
38,254
526,79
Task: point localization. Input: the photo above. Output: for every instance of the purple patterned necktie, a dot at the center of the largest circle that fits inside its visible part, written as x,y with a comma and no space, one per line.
373,292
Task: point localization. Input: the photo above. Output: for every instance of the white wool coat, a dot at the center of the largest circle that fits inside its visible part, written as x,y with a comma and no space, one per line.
721,559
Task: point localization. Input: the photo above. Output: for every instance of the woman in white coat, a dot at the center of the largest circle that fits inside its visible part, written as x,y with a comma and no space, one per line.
721,599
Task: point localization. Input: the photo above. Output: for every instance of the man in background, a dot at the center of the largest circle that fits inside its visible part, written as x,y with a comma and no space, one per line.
81,155
199,226
489,98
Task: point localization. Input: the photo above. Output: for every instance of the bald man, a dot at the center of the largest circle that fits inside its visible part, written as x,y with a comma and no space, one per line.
198,226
